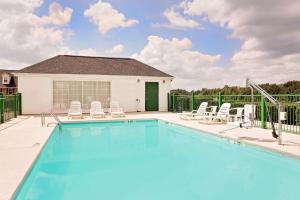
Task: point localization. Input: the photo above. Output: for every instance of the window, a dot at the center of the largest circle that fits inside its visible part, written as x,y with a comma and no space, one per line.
5,79
84,91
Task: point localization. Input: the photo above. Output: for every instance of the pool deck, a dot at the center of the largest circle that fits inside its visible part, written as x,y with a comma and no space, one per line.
22,139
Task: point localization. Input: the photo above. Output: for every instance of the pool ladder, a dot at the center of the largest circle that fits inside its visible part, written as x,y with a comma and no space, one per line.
43,119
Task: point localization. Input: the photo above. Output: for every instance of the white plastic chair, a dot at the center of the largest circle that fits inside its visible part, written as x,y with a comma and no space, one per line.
238,116
212,111
96,109
243,116
115,110
249,114
191,115
75,109
222,115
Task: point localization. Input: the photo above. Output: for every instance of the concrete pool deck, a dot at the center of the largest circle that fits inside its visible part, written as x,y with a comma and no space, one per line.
22,139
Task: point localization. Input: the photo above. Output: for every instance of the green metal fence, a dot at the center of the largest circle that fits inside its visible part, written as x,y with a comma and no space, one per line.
291,103
10,106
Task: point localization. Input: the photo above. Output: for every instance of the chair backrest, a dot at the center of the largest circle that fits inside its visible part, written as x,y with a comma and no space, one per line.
224,110
202,108
239,112
213,110
96,106
75,107
114,106
248,113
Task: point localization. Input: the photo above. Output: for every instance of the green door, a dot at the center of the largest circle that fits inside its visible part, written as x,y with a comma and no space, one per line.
151,96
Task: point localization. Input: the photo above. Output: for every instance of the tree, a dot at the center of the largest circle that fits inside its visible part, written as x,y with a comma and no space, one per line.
290,87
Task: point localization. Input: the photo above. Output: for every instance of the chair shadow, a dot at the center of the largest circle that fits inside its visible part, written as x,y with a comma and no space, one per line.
257,139
285,143
290,143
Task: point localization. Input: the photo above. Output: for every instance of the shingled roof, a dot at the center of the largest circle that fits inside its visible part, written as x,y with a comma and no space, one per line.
68,64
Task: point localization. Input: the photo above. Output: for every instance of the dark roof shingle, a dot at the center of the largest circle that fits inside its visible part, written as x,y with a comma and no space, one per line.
67,64
6,71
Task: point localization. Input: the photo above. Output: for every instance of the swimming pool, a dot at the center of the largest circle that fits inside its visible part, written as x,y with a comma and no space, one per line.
154,160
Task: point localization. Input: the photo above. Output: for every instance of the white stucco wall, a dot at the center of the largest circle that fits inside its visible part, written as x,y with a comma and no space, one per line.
37,90
37,95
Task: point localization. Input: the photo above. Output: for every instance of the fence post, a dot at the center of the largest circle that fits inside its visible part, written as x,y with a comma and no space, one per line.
15,102
263,112
168,97
174,102
1,107
20,103
220,99
193,101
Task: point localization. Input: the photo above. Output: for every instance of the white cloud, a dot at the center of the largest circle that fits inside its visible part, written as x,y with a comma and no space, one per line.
9,8
269,30
106,17
24,38
192,69
176,20
88,52
116,50
57,15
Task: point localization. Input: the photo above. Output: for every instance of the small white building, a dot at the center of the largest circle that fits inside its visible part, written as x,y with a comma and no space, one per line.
52,84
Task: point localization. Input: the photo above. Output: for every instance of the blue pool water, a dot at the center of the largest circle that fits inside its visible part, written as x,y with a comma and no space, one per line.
153,160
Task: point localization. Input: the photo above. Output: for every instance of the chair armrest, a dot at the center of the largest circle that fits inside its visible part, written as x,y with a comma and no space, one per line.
239,110
209,114
236,108
211,106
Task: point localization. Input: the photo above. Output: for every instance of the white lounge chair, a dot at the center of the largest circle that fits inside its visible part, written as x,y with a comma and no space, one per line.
115,110
96,109
221,117
191,115
75,109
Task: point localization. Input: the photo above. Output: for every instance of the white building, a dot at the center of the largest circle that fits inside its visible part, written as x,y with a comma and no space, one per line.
52,84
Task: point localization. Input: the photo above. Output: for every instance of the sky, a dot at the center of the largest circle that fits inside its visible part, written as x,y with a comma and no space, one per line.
202,43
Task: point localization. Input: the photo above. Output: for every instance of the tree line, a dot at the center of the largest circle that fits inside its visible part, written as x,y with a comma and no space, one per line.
290,87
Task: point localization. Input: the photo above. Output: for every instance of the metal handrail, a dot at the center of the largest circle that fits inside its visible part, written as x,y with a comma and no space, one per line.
43,118
250,83
253,85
